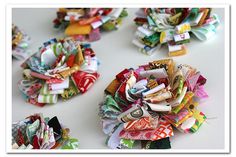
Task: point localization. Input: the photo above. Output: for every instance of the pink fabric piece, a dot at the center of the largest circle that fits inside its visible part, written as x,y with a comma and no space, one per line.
196,85
192,81
40,76
200,92
94,35
79,37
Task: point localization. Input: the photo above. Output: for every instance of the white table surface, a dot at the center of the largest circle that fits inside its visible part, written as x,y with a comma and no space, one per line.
116,52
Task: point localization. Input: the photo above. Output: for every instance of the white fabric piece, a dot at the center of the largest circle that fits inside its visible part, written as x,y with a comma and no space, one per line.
59,86
154,90
159,108
157,73
114,140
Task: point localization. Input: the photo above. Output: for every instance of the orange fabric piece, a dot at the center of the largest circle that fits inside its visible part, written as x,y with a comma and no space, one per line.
205,12
76,29
112,87
89,20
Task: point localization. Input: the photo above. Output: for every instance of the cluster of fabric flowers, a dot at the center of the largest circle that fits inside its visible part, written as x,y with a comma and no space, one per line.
142,105
85,24
38,132
172,27
61,67
20,43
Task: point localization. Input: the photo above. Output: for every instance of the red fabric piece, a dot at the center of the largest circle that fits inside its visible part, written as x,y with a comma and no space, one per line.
40,76
89,52
201,80
163,80
35,142
34,88
163,130
84,80
121,76
121,91
20,138
140,20
54,81
70,61
35,102
57,60
106,11
35,117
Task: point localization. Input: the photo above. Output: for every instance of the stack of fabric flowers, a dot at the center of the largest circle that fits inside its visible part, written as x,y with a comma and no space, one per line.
172,27
85,24
38,132
20,43
142,105
61,67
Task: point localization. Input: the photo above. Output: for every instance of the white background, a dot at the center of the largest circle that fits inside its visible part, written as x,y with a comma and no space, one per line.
116,52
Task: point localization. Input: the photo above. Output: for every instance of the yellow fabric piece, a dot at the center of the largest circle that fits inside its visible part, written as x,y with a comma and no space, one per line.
169,63
79,57
80,11
70,71
76,29
183,51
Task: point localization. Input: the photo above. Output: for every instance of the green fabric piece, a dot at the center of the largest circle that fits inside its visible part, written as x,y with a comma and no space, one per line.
152,40
124,13
109,26
70,92
183,41
46,119
71,143
111,104
200,118
119,99
192,15
178,10
159,144
127,143
150,21
175,20
32,129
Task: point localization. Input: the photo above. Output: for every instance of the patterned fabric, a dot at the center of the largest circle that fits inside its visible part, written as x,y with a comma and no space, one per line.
16,129
197,119
143,104
163,130
84,80
177,119
188,96
112,87
144,123
71,143
86,23
20,43
109,109
127,143
37,132
53,71
70,92
174,28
